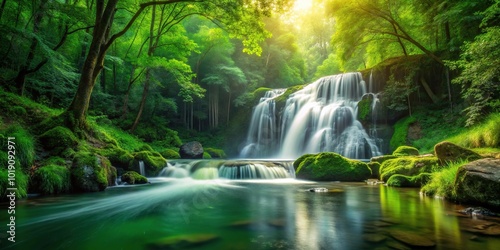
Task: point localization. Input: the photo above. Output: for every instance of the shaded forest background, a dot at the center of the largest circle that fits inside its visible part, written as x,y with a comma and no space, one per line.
171,71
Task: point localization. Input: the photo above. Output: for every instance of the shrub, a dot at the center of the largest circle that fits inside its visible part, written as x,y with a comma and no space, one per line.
51,179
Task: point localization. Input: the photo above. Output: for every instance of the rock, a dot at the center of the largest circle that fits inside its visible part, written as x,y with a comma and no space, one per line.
183,241
328,166
374,166
318,190
449,152
132,177
479,182
477,211
382,158
412,239
191,150
405,151
491,229
398,180
408,166
374,238
87,175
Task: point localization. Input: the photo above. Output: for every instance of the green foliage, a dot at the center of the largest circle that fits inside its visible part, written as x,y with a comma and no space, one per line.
442,182
215,153
399,180
21,180
405,151
51,179
170,154
408,165
397,93
24,145
58,139
480,75
399,138
153,161
485,134
330,167
118,157
132,177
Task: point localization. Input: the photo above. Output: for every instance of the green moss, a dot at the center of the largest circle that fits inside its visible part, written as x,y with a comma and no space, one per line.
153,162
329,166
442,182
21,183
206,155
408,165
405,151
170,154
478,183
381,159
51,179
110,170
132,177
215,153
399,138
364,108
118,157
145,147
86,173
23,145
449,152
399,180
58,139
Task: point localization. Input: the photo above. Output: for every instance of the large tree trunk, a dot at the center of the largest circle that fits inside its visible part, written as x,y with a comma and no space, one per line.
92,66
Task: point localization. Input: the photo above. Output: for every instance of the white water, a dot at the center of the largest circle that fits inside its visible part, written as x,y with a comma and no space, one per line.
240,169
320,117
142,170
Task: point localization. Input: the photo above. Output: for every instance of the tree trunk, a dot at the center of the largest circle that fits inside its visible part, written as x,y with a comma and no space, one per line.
428,90
143,101
77,110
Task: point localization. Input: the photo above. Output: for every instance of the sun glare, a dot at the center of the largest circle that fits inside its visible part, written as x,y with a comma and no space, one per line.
302,5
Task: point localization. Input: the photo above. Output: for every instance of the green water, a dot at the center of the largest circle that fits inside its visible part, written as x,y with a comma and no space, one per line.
276,214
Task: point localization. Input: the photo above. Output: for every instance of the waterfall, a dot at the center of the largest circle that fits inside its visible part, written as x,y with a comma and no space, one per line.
263,130
240,169
320,117
142,170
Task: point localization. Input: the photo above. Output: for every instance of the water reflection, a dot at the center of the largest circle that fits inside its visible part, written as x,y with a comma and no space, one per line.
245,215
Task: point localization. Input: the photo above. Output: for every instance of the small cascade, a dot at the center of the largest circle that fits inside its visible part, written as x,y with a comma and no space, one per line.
262,135
322,117
241,169
142,170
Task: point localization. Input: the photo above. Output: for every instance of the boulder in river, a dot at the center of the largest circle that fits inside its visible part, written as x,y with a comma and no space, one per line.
479,182
191,150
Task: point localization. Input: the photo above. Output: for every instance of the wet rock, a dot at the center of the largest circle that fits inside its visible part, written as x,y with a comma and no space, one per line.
183,241
449,152
318,190
374,182
479,182
412,239
191,150
487,228
477,211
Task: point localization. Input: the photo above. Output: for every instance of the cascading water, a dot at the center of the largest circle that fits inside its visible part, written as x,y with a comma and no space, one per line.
240,169
320,117
142,169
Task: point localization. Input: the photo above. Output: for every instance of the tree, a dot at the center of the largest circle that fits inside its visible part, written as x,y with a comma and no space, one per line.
241,18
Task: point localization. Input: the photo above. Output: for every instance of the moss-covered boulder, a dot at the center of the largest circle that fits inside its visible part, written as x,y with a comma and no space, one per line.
405,151
216,153
58,139
51,179
118,157
365,108
330,166
132,177
170,154
87,175
479,182
408,165
380,159
374,166
153,162
191,150
110,170
399,180
448,152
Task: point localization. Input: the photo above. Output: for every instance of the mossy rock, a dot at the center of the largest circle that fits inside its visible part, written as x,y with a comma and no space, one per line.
408,165
87,175
365,108
206,155
399,180
374,166
51,179
153,162
478,182
380,159
215,153
118,157
110,170
170,154
145,147
448,152
330,166
405,151
132,177
58,139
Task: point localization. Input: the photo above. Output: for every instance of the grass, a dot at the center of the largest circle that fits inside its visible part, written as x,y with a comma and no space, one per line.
442,182
486,134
